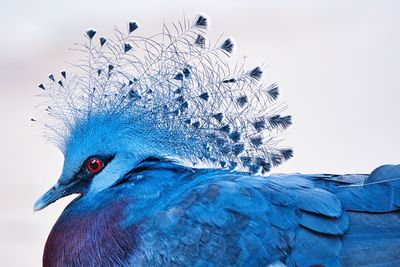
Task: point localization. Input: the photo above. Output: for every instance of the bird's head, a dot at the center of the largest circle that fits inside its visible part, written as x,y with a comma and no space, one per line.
99,152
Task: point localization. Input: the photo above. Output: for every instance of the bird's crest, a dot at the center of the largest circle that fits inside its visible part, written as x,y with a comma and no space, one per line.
178,85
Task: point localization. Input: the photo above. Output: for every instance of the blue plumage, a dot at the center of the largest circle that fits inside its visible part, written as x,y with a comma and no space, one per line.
256,73
227,45
127,47
164,144
51,77
132,26
200,41
102,41
201,21
259,124
242,100
273,91
91,33
182,216
279,121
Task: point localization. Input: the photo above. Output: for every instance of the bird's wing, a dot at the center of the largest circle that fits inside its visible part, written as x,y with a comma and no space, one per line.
373,206
237,219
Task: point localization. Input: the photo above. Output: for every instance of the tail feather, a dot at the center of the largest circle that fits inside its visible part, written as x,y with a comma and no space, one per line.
373,239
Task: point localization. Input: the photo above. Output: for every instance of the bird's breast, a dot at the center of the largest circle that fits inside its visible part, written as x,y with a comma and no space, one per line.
92,238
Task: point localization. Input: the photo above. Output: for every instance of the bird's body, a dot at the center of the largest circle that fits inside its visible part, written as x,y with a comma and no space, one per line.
165,142
164,214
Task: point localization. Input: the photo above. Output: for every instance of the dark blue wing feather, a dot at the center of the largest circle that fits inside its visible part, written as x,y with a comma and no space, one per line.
372,240
314,249
324,224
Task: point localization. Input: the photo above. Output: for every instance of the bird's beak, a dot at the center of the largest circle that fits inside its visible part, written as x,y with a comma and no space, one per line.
56,192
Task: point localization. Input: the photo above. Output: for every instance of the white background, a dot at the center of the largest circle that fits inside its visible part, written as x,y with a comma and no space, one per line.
337,63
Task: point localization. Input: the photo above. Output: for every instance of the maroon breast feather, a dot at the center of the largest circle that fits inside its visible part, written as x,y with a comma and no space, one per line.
94,238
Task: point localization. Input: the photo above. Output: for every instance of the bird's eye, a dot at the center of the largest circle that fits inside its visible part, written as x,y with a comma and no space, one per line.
94,165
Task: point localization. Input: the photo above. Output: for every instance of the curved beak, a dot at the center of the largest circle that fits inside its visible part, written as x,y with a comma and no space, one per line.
53,194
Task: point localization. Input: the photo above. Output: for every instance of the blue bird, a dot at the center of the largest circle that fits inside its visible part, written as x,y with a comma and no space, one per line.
166,145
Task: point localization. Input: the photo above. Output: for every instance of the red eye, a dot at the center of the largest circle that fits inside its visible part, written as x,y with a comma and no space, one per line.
94,165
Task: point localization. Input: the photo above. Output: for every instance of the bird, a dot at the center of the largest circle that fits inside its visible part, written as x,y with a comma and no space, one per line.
168,145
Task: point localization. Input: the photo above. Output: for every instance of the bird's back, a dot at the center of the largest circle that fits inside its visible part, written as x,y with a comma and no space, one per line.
172,215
